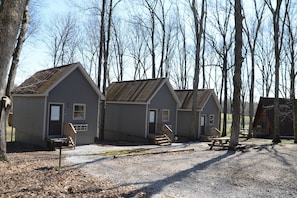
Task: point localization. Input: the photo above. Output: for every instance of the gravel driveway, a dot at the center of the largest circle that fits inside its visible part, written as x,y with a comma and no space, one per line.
192,170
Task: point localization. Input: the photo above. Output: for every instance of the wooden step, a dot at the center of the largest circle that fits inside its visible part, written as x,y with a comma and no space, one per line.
162,140
71,142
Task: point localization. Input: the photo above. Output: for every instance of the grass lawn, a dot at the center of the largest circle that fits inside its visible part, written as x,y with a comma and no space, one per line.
229,122
10,132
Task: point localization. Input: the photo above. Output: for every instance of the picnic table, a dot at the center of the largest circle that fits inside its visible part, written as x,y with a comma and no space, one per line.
219,142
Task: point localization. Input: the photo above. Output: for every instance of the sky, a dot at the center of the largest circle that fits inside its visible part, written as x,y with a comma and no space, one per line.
34,56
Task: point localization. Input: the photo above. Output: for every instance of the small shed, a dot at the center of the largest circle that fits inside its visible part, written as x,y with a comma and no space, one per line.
138,110
263,125
208,112
45,103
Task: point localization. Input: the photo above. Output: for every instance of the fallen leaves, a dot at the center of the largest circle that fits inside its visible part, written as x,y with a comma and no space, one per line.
36,173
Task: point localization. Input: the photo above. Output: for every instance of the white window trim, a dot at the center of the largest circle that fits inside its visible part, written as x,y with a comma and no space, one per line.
85,110
168,110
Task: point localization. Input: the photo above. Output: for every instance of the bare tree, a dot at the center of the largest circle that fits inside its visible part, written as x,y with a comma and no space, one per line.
11,13
18,49
266,60
203,50
170,44
62,40
291,54
252,36
181,74
104,52
106,47
222,47
162,21
237,76
151,6
137,50
198,23
89,47
118,49
277,37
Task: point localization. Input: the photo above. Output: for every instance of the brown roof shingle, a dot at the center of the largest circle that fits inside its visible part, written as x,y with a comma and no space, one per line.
186,98
41,81
133,91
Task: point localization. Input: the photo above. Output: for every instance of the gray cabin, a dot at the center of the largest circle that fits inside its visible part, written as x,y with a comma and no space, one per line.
138,110
55,102
208,113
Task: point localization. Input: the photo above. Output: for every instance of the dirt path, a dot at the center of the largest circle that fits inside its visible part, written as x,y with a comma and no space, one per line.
192,170
259,171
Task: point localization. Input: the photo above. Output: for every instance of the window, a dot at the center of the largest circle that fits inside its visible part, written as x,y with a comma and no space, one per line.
202,121
165,115
211,119
79,111
55,112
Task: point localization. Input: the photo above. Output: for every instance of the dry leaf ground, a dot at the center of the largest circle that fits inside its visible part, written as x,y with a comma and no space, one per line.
31,172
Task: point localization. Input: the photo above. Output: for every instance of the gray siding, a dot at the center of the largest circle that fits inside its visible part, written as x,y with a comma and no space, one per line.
185,118
124,121
76,89
164,100
184,124
28,119
211,108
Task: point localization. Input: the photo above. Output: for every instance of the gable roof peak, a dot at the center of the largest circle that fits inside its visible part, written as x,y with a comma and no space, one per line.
45,80
42,80
137,91
186,98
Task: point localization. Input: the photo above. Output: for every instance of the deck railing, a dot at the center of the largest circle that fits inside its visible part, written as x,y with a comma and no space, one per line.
70,132
168,131
215,132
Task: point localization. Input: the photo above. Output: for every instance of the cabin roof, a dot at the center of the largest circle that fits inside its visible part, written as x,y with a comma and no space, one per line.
43,81
186,98
136,91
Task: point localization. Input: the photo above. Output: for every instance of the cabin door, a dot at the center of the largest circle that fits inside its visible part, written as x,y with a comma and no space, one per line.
202,124
55,120
152,121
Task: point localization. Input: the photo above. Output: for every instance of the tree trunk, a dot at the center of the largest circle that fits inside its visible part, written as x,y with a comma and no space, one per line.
153,45
225,107
198,32
101,56
292,92
251,103
237,77
252,37
105,69
276,15
292,54
11,13
17,50
242,111
101,43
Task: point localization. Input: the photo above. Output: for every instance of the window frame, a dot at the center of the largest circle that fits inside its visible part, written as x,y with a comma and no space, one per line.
168,115
84,111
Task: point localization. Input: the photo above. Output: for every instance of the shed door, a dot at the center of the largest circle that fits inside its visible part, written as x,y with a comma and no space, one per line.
152,121
55,119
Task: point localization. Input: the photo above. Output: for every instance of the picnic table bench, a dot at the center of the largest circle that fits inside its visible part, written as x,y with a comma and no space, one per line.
220,142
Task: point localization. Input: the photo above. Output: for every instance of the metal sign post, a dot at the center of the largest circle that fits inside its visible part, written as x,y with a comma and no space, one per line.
59,143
